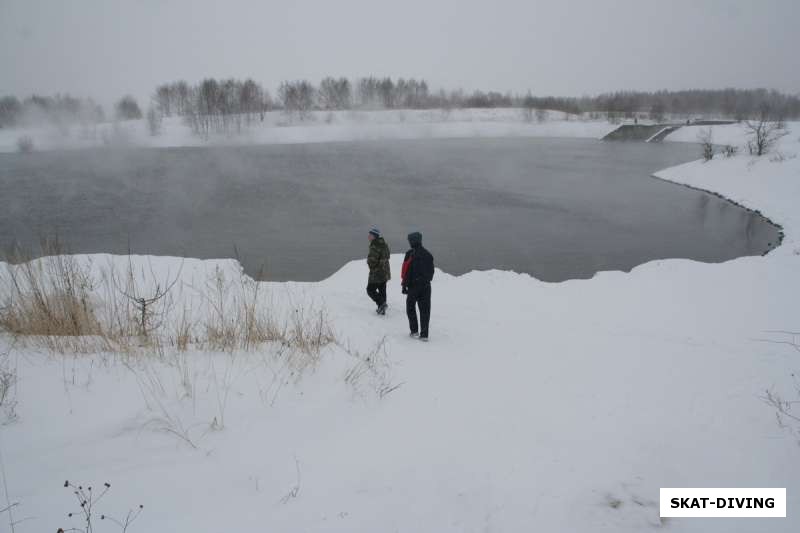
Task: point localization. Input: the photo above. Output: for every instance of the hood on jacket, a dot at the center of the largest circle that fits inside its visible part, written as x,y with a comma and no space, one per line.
415,239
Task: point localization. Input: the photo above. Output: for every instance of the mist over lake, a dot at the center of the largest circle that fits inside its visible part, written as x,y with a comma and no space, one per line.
554,208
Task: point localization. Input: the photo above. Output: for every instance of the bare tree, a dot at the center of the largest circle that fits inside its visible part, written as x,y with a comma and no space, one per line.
335,93
127,108
412,94
297,97
367,93
10,111
264,104
386,91
764,132
207,96
706,139
164,98
219,105
153,121
229,105
148,317
250,98
657,111
181,93
528,103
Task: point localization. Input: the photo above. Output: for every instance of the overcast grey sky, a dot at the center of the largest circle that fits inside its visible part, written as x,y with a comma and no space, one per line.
105,48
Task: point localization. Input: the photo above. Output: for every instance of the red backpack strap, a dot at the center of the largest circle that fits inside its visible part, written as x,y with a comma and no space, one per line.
406,266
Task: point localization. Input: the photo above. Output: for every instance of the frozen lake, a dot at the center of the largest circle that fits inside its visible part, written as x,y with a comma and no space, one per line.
554,208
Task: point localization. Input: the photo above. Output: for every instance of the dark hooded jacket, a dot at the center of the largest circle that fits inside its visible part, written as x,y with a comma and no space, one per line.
378,261
417,264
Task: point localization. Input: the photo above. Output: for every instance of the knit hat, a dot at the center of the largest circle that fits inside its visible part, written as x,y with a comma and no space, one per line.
375,231
415,238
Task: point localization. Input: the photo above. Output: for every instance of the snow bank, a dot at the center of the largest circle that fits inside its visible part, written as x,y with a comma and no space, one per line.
554,407
319,126
721,134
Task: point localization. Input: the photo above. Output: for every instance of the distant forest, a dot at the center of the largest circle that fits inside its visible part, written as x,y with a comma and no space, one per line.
227,103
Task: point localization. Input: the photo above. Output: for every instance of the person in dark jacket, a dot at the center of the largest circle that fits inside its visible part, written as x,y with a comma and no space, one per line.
416,281
379,271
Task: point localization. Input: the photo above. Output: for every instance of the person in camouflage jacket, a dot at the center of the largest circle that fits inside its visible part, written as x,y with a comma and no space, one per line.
379,270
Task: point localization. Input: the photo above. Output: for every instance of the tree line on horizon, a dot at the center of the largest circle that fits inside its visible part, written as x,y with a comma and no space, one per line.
372,93
62,109
223,104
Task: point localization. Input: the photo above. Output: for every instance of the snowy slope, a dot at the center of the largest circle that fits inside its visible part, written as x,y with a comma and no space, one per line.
536,406
721,134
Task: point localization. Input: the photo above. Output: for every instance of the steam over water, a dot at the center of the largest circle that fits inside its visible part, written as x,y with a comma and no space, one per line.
554,208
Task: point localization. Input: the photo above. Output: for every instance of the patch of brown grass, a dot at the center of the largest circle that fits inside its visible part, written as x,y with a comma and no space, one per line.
56,302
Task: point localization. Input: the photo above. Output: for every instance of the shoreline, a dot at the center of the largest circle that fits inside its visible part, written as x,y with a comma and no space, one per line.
768,220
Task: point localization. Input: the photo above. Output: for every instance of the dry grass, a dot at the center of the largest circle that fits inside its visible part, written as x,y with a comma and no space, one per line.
372,371
50,299
183,331
310,331
57,303
239,319
8,382
49,296
236,317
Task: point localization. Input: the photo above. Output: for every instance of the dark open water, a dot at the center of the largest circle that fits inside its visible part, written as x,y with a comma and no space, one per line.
554,208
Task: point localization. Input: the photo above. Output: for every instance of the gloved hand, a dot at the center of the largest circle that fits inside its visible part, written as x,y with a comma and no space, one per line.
404,289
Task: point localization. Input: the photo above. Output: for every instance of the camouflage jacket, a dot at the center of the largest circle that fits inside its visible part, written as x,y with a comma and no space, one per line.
378,261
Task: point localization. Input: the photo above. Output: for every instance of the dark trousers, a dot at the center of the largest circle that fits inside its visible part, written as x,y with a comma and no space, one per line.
377,291
419,296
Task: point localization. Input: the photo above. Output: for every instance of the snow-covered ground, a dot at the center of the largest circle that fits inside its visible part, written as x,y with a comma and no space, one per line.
536,406
725,134
320,126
